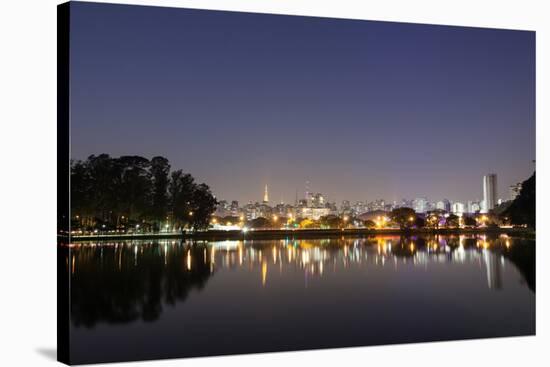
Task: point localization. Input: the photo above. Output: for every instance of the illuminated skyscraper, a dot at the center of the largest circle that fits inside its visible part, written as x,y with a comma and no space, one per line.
266,195
489,192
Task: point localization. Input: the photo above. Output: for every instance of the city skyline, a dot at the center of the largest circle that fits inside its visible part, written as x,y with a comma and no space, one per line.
361,109
510,191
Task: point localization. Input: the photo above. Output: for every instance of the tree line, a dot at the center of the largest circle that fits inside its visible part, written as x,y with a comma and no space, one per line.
523,209
133,191
405,218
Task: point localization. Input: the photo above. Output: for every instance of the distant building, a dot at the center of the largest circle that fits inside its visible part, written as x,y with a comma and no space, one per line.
359,207
443,205
280,209
257,210
313,213
332,208
489,192
514,191
222,209
379,204
264,210
346,206
234,208
317,200
473,206
420,205
458,208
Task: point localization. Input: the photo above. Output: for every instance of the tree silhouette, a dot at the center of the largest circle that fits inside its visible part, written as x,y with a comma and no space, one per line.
331,221
522,210
112,193
452,221
404,217
130,285
160,169
469,221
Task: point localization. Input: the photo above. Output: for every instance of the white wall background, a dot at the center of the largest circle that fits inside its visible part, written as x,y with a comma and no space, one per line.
28,154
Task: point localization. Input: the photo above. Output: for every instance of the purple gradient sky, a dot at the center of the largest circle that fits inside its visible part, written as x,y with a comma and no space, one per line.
361,109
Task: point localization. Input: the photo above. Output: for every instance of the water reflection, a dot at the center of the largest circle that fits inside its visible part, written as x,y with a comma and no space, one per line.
120,282
123,282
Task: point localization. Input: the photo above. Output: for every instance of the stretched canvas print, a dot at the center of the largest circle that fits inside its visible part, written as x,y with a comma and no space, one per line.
236,183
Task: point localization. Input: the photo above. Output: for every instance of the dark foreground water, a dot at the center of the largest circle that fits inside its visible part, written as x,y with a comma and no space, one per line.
163,299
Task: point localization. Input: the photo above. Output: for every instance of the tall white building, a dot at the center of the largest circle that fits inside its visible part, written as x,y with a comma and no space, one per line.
489,192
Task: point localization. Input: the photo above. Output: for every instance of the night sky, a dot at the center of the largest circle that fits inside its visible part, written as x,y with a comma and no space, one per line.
363,110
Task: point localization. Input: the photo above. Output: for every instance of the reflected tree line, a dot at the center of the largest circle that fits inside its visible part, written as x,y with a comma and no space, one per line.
523,257
134,192
126,282
110,284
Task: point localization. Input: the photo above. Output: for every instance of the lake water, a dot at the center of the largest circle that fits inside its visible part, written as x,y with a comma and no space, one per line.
166,299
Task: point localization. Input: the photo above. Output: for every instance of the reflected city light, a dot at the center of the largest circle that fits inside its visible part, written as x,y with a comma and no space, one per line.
308,256
264,273
189,260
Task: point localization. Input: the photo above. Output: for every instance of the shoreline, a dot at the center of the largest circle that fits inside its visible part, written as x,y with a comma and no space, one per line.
296,234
